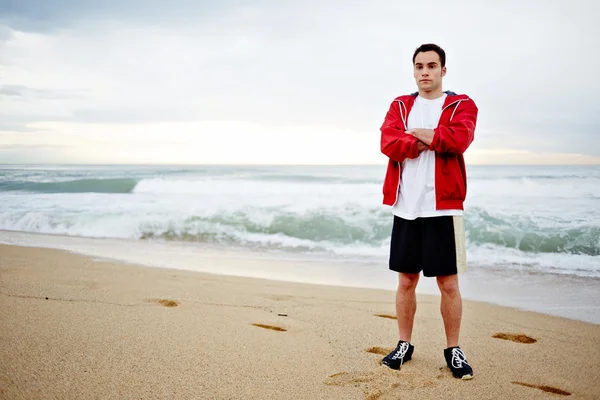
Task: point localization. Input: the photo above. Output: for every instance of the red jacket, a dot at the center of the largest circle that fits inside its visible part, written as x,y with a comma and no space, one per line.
452,137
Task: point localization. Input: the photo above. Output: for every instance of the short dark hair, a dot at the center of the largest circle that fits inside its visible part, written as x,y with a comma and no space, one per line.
431,47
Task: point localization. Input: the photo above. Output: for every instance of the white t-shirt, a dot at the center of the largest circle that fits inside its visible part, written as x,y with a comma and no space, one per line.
416,197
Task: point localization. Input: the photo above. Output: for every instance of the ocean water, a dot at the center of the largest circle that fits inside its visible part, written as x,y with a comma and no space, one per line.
539,219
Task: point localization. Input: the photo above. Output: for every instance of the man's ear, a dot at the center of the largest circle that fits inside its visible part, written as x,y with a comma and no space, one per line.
444,71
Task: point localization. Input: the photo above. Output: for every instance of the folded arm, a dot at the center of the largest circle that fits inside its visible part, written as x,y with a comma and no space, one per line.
395,143
458,134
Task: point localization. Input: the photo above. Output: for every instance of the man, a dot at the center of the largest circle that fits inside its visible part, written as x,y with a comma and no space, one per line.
425,135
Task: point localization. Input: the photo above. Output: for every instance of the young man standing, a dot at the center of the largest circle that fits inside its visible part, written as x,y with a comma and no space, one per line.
424,135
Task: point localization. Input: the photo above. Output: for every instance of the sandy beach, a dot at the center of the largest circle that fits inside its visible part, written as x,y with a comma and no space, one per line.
75,327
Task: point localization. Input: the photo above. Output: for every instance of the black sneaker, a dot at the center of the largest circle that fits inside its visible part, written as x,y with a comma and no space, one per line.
401,354
457,362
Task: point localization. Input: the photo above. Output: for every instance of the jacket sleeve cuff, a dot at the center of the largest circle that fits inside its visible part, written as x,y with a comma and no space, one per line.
435,142
413,151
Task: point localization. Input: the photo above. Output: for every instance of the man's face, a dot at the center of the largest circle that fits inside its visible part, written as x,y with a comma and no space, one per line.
428,71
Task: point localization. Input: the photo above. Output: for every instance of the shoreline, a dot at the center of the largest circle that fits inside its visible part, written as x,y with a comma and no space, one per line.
560,295
78,327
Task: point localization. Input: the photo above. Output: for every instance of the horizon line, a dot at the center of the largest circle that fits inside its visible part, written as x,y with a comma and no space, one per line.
281,165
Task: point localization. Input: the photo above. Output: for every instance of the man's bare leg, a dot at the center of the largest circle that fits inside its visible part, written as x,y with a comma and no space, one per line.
406,304
451,307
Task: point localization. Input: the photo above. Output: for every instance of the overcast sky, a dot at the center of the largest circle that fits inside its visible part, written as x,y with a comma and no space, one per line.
261,82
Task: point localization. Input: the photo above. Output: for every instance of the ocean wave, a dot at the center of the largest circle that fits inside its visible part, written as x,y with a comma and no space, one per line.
541,177
316,228
544,222
532,235
531,188
234,187
120,185
328,231
323,228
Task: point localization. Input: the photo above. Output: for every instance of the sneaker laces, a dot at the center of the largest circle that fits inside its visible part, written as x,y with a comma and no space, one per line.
458,358
401,352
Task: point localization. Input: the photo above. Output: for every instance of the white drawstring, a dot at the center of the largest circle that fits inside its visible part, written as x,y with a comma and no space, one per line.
455,108
400,105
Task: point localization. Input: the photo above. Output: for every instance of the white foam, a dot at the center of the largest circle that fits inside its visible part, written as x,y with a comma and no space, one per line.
557,263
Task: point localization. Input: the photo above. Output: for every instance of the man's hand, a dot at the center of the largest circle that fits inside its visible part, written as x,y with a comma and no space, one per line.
421,146
424,135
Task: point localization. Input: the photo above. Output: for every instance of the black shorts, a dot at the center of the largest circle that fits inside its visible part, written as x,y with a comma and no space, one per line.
434,245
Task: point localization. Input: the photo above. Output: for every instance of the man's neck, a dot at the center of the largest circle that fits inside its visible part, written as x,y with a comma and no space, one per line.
432,94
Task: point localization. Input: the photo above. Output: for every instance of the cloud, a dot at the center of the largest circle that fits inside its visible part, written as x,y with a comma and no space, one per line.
336,65
524,157
212,142
15,127
44,16
13,147
25,91
32,154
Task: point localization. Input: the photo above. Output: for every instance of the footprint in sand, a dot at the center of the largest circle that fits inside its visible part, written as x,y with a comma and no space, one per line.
271,327
382,382
379,350
4,383
385,316
164,302
279,297
518,338
548,389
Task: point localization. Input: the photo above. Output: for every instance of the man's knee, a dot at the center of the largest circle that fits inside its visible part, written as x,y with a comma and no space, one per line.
407,282
448,284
